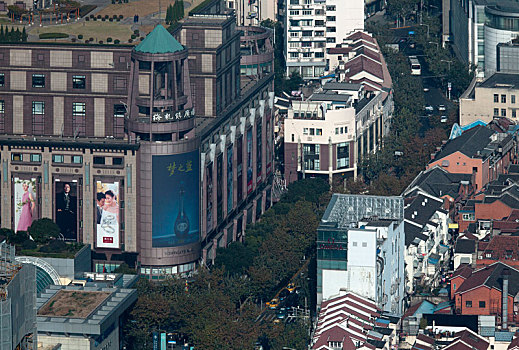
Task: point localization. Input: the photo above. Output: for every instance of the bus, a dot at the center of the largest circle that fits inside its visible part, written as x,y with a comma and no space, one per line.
416,69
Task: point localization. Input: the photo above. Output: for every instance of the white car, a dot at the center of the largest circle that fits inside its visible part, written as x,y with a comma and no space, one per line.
425,89
429,108
444,119
441,107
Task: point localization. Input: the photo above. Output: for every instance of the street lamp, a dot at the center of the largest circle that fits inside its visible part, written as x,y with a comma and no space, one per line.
427,29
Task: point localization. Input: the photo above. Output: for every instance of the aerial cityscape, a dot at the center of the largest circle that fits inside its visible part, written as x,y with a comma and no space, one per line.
259,174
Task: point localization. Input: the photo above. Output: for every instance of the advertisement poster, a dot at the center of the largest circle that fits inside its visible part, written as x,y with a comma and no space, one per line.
219,188
107,214
239,168
209,181
66,208
258,152
269,149
175,199
229,178
249,161
25,200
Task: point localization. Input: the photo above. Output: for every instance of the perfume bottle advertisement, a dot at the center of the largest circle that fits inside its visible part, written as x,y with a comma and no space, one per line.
175,199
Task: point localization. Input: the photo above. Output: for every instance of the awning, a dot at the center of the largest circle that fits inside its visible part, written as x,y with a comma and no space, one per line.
433,259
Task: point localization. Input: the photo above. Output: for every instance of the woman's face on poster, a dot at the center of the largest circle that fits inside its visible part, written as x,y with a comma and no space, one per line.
25,186
109,200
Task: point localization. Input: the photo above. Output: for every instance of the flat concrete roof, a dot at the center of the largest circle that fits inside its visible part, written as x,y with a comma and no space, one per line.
72,303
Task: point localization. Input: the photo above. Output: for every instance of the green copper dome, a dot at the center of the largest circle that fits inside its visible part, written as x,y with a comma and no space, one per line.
159,41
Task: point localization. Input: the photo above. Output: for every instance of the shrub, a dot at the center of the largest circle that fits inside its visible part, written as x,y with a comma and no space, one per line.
114,16
98,16
53,35
107,16
142,38
87,19
92,16
91,39
111,19
73,40
103,19
130,40
117,41
100,41
80,36
29,245
113,1
108,40
95,19
133,36
121,16
44,229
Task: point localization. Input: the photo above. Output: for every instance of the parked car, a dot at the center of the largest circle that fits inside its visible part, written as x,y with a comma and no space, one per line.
425,89
441,107
281,313
291,287
444,119
429,108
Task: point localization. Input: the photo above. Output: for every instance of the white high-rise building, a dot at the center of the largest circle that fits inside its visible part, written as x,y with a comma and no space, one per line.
312,26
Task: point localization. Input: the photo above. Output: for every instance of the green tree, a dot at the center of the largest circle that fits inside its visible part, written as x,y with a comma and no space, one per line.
235,258
43,230
169,14
125,269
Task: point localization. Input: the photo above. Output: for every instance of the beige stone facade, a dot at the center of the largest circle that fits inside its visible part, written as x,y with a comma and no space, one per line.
498,96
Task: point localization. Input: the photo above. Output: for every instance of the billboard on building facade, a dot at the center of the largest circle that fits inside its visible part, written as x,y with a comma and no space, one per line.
239,168
219,188
229,179
249,161
107,214
66,208
175,199
25,200
258,151
269,150
209,181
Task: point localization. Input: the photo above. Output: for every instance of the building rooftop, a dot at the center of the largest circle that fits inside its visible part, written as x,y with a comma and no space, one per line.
501,80
502,248
159,41
491,276
465,246
471,143
74,304
102,306
344,210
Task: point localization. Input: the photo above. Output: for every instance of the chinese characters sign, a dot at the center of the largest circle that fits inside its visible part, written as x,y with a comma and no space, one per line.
158,117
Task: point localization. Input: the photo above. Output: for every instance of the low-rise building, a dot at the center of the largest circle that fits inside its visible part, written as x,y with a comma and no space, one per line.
496,96
17,302
86,316
350,321
480,151
426,240
360,248
464,252
480,292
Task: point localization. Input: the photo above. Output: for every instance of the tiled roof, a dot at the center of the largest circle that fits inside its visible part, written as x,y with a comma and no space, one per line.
361,64
491,277
465,246
469,143
345,319
469,340
463,271
360,35
502,248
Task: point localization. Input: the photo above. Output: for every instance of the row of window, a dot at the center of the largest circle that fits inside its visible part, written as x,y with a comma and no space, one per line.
482,304
312,154
341,130
312,131
78,81
307,44
307,54
503,98
503,113
60,158
78,109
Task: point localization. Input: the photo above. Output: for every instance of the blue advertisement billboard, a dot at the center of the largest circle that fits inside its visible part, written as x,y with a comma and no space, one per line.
175,199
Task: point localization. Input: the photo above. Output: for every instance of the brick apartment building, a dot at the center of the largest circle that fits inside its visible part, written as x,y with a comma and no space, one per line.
480,151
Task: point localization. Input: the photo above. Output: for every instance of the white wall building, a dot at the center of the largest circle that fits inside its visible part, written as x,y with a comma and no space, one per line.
253,12
360,249
426,230
311,26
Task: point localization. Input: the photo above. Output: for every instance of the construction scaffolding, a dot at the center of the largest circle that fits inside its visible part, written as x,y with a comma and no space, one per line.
8,268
